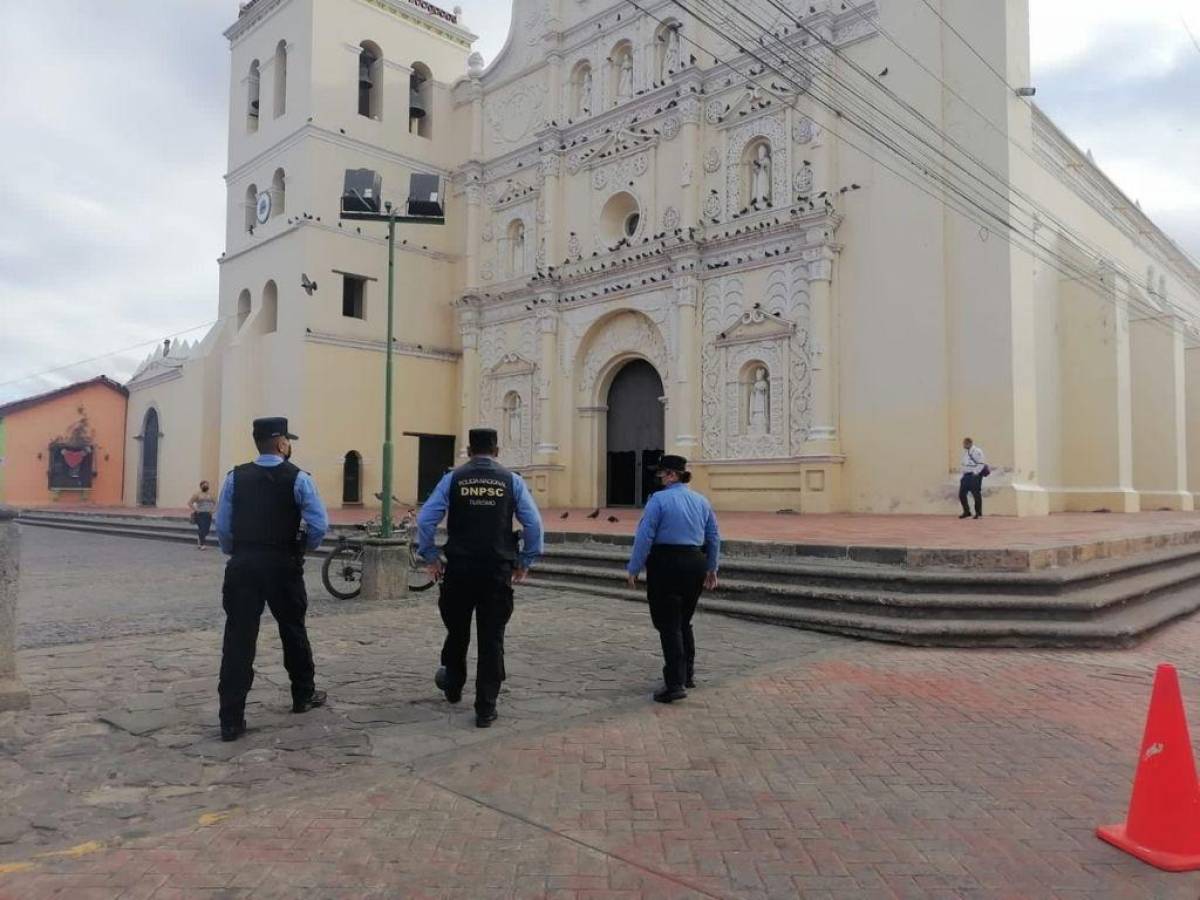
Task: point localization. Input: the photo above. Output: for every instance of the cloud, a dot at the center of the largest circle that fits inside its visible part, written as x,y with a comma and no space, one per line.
115,207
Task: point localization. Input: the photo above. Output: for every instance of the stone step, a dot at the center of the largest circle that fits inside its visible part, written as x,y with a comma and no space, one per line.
1123,628
1081,602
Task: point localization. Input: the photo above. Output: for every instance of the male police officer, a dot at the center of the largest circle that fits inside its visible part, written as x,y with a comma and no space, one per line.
482,564
258,523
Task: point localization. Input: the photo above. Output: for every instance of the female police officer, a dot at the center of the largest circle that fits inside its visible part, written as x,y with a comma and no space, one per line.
679,546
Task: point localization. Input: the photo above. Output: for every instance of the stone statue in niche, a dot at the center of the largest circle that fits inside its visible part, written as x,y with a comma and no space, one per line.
585,94
760,405
518,248
513,425
760,180
625,78
671,58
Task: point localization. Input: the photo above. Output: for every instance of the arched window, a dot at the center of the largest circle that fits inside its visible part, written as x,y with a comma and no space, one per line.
621,218
511,427
252,88
370,80
352,478
516,247
620,73
278,189
583,90
280,78
243,308
420,101
148,465
251,203
667,52
270,308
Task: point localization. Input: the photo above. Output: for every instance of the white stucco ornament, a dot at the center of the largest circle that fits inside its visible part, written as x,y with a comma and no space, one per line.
712,160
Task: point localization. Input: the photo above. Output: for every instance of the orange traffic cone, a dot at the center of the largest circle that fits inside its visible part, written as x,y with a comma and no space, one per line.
1163,827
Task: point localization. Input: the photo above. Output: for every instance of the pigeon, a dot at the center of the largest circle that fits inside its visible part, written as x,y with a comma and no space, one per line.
613,519
564,515
884,72
594,514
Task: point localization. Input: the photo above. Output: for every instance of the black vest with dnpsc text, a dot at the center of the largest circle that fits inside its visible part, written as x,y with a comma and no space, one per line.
480,523
266,515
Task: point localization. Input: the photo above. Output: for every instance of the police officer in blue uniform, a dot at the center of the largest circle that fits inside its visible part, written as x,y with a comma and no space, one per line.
258,520
679,546
483,562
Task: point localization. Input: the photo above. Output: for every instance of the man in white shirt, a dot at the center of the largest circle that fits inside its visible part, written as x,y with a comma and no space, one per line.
974,466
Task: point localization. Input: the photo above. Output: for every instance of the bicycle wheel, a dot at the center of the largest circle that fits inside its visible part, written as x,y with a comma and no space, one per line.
419,578
342,571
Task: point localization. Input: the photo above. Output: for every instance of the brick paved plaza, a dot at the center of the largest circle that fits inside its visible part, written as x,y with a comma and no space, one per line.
803,765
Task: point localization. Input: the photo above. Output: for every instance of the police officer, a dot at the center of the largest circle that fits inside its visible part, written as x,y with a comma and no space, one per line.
258,523
679,546
483,562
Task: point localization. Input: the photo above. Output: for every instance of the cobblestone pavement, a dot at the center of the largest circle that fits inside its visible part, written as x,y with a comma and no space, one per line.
803,765
83,587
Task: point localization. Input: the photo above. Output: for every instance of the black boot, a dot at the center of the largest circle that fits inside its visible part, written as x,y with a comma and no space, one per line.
233,732
312,701
439,678
669,694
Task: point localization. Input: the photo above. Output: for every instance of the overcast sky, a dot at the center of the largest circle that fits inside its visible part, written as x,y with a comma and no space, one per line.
113,116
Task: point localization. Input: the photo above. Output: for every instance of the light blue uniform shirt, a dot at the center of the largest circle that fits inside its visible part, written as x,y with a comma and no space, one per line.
439,503
312,510
676,515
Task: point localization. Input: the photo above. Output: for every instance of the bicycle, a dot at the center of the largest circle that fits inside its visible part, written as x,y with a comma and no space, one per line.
342,570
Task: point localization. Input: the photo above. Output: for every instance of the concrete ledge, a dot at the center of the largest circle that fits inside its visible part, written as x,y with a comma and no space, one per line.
12,693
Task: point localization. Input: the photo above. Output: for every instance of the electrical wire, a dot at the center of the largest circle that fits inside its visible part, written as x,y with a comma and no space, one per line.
1065,266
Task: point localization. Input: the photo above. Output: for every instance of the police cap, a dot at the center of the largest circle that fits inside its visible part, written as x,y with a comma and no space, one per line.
273,426
671,463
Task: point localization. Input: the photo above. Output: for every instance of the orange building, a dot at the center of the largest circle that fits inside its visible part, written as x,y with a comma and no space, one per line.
65,446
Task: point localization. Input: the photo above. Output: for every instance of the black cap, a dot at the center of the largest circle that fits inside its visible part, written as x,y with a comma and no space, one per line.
483,439
273,426
671,463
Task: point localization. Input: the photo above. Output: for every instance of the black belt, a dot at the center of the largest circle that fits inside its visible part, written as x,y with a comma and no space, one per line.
676,548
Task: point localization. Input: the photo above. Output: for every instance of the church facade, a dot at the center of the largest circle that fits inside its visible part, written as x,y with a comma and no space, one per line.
809,247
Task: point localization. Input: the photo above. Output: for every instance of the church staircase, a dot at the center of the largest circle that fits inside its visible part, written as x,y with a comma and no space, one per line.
1102,595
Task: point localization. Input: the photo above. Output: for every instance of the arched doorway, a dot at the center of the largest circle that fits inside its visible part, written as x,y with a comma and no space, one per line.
352,478
148,471
635,433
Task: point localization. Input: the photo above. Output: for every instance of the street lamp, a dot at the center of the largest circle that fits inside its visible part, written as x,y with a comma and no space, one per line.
361,198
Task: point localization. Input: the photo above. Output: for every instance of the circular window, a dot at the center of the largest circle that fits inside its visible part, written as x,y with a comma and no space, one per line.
620,218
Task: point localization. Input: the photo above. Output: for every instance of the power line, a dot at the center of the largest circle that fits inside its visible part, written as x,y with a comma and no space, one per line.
1005,195
130,349
1032,247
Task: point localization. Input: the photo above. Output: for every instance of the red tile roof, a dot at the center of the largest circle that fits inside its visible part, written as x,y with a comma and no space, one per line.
18,405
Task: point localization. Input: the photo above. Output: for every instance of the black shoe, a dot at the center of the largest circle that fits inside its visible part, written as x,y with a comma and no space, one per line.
439,678
690,683
233,732
312,701
979,515
669,695
485,719
965,516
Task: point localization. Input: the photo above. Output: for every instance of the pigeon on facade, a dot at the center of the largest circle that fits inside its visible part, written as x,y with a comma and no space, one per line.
594,514
564,515
613,519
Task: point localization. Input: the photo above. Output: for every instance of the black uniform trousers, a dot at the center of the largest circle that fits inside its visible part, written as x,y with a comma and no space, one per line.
674,582
485,591
971,484
273,578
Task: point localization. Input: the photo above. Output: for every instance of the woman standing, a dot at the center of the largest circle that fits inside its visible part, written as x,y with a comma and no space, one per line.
679,546
202,506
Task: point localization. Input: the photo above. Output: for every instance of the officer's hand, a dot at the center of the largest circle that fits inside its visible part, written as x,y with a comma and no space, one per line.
631,580
436,569
710,581
519,576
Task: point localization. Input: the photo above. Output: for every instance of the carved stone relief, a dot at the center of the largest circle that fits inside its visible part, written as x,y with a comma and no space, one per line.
773,130
739,338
